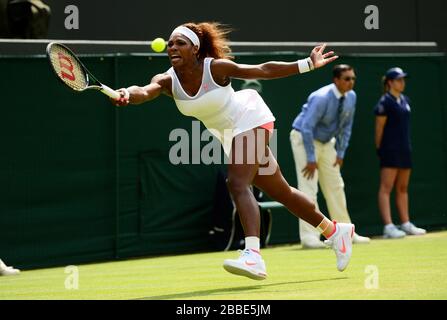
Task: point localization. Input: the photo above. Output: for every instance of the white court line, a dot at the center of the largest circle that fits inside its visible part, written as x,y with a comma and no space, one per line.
234,43
338,44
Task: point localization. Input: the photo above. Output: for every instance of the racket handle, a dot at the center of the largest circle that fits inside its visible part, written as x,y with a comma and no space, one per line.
110,92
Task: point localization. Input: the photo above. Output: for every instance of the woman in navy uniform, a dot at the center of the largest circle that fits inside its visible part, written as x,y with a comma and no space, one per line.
392,138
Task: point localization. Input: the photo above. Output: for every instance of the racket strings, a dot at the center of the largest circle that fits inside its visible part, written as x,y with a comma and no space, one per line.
68,68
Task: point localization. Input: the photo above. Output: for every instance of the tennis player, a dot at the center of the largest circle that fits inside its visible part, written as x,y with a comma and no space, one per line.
199,81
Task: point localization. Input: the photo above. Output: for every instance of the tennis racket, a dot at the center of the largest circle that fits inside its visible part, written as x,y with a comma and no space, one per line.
70,70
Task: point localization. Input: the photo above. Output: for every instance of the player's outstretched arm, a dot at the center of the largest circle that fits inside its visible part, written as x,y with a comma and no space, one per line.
138,95
273,69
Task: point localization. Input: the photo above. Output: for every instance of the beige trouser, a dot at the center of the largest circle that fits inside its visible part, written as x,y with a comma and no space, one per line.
329,177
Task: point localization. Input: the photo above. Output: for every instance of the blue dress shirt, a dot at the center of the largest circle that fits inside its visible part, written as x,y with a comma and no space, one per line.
321,119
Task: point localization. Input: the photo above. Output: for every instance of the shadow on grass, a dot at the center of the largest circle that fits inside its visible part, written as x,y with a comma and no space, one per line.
233,290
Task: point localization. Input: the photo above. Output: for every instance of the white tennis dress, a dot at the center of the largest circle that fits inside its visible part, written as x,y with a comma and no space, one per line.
224,112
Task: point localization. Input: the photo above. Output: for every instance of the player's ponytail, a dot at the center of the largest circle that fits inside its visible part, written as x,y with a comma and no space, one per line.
213,39
386,86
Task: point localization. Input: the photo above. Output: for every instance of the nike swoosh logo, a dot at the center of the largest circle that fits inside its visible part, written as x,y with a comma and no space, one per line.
343,247
250,263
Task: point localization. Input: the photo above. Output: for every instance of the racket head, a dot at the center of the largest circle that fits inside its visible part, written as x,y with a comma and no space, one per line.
68,68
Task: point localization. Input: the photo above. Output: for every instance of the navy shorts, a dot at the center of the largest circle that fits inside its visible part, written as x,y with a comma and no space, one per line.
395,159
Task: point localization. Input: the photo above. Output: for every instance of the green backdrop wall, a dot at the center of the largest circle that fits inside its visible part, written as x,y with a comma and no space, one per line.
83,181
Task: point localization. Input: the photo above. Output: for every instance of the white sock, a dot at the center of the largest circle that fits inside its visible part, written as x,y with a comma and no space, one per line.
252,243
389,225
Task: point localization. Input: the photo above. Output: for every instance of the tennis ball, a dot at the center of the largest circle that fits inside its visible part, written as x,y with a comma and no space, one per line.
158,45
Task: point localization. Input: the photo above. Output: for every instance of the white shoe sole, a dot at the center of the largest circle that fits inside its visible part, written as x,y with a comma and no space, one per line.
240,270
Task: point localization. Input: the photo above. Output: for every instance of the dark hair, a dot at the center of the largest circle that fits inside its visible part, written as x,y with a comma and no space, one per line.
385,85
213,39
339,69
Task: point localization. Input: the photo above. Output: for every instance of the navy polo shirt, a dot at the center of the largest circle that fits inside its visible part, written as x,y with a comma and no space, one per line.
396,134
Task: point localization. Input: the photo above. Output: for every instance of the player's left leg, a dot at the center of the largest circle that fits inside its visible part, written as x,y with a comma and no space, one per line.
387,183
401,188
339,235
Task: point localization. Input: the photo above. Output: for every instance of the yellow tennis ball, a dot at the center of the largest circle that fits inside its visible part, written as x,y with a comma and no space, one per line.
158,45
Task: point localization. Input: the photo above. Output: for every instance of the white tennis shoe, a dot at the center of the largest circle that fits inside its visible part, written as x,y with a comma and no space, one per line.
411,229
360,240
312,242
341,243
392,232
249,264
7,271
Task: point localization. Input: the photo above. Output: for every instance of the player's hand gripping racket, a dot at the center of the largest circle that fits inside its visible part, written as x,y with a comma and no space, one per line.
70,70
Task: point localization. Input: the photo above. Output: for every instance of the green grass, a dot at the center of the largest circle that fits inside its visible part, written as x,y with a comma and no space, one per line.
409,268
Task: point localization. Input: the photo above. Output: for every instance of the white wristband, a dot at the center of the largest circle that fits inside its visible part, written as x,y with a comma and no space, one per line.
305,65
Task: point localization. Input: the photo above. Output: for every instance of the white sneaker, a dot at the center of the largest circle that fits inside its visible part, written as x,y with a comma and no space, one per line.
249,264
411,229
341,242
360,239
391,232
7,271
312,243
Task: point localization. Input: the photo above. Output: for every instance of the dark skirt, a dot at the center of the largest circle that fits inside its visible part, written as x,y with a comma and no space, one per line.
395,159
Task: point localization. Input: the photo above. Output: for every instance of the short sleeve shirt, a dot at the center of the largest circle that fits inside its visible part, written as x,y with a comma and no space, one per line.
396,134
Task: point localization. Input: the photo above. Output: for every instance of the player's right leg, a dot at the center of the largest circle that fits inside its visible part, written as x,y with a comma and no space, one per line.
339,235
401,187
387,182
241,170
249,263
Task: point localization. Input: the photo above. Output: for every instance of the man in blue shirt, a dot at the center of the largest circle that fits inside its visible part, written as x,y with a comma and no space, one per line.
319,138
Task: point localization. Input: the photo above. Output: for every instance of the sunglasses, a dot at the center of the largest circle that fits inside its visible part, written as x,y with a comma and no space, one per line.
349,78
